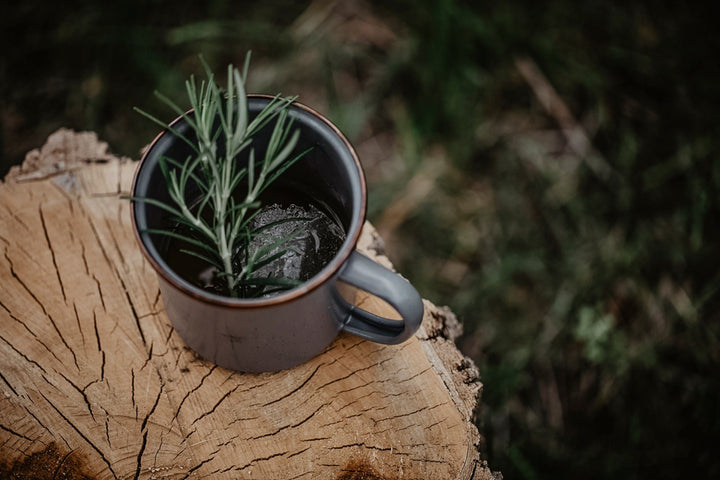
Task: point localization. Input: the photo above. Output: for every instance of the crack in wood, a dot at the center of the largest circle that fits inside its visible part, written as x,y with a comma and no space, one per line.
132,388
138,469
107,428
325,425
115,270
157,299
436,423
406,427
77,319
102,367
218,471
38,421
422,372
340,379
371,408
52,251
197,387
356,387
299,452
241,419
395,417
178,357
97,334
2,377
27,255
23,324
261,459
229,441
16,218
296,389
100,293
296,477
83,255
392,450
81,391
115,243
222,399
157,451
82,435
314,439
354,345
62,339
149,356
67,444
229,377
17,450
360,398
292,425
198,466
152,410
150,314
13,432
45,312
25,357
170,332
132,306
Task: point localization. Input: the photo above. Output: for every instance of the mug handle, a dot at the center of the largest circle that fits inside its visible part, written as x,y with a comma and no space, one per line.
363,273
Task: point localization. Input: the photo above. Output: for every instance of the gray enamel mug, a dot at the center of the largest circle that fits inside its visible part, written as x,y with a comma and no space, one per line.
279,332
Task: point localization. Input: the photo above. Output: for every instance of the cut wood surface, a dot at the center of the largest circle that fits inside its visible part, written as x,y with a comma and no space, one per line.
95,383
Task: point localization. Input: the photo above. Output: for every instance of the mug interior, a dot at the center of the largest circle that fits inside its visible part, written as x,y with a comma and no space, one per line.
329,172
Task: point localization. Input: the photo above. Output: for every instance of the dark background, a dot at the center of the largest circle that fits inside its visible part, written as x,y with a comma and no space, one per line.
585,271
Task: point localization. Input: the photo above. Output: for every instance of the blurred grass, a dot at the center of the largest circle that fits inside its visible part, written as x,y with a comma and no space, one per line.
590,302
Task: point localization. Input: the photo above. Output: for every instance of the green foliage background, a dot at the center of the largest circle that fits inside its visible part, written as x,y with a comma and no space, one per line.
590,304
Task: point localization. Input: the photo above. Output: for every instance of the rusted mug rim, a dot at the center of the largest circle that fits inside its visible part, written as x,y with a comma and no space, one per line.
313,283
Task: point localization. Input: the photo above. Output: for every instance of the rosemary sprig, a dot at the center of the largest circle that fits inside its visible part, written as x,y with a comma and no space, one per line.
218,225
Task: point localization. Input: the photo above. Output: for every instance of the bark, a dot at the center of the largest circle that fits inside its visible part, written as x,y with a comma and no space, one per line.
94,382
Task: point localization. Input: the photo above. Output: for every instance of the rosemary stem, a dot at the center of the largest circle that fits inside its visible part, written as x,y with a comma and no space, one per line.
219,224
226,256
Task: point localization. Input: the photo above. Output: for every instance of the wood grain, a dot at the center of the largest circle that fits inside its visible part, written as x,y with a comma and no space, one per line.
94,382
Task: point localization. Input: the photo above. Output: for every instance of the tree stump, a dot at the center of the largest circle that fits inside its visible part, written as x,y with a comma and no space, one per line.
95,383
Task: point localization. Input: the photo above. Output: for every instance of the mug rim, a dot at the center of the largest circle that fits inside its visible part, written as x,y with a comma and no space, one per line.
318,280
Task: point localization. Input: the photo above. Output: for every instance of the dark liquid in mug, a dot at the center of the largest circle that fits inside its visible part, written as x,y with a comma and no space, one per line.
317,236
